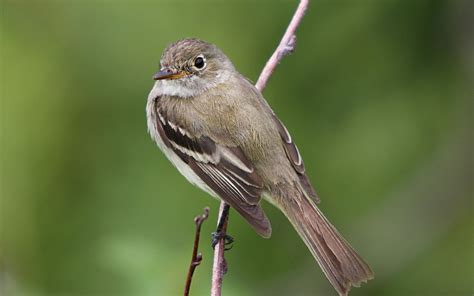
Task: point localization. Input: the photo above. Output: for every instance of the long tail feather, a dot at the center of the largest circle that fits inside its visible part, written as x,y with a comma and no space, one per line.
340,263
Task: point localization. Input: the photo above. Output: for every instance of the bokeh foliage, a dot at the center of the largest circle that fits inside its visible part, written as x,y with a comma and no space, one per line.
377,95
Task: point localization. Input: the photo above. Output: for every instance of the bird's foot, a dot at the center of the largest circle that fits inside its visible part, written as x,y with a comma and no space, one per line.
217,236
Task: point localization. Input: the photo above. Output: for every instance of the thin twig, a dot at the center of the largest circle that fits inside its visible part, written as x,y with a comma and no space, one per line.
197,257
219,267
286,46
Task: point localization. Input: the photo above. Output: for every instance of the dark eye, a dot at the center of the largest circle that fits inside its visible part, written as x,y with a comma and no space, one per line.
199,62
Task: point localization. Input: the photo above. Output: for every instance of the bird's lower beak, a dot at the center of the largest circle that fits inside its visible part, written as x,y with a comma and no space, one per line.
169,74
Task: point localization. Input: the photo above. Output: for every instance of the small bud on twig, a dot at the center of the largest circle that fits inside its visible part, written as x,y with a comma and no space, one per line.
196,257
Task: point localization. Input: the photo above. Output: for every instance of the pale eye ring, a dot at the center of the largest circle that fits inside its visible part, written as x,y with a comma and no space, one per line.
199,62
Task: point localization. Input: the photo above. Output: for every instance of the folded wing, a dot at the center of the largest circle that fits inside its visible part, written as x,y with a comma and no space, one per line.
295,159
226,170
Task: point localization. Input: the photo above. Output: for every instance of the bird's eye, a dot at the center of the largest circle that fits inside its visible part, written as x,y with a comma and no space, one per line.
199,62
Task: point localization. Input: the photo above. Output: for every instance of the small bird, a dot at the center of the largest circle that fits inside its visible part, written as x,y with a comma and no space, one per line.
220,133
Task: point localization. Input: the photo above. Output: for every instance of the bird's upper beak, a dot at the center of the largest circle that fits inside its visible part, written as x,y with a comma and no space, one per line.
167,73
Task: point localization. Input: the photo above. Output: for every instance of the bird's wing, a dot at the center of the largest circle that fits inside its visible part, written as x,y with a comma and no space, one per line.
226,170
295,159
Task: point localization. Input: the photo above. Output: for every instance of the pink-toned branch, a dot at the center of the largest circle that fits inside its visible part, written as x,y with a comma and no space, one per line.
286,46
219,267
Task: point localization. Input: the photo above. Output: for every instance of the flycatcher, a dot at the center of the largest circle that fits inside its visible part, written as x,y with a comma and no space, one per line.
221,134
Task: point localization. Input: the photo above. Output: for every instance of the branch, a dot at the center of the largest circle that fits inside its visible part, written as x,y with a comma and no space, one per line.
219,267
197,257
286,46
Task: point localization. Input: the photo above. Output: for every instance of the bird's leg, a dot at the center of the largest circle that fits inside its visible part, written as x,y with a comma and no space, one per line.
220,232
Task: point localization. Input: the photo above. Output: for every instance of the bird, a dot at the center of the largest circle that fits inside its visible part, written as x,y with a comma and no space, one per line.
220,133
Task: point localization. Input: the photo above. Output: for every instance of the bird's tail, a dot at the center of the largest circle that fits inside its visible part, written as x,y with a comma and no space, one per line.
340,263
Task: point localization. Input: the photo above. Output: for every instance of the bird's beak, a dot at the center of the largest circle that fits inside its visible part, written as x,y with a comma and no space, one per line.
169,74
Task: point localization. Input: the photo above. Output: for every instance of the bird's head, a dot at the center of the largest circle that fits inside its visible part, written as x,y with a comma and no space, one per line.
190,67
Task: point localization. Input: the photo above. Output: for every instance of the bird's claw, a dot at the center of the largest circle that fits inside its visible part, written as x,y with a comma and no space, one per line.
217,236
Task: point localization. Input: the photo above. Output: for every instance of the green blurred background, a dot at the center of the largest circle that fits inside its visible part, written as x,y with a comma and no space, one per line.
378,96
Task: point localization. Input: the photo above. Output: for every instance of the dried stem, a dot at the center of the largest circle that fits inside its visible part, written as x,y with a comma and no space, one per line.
197,257
286,46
